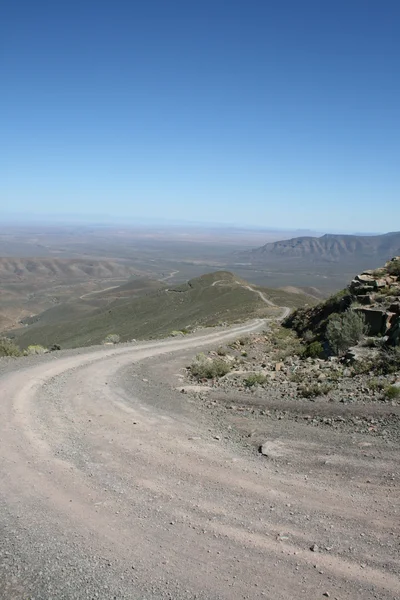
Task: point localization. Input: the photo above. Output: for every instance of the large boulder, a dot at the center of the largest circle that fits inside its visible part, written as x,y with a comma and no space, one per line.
376,319
394,333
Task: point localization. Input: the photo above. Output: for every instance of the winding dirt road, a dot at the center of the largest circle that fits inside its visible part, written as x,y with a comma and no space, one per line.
285,309
104,495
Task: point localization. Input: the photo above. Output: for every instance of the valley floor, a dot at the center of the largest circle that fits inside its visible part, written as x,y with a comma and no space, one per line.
115,484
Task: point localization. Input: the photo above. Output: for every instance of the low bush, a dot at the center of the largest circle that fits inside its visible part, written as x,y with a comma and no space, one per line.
205,368
313,390
308,336
375,385
388,361
362,367
314,350
378,273
345,330
387,291
221,352
8,348
392,392
297,377
36,349
112,338
394,267
255,379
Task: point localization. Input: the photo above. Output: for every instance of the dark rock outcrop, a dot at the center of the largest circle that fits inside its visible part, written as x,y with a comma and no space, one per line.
374,294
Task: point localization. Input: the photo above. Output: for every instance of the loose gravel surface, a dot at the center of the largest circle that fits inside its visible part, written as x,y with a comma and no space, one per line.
114,484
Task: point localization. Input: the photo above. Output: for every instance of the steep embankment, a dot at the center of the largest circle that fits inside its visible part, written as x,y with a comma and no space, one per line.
374,294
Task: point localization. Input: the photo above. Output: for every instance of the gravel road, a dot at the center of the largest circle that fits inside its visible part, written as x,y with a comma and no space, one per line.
106,494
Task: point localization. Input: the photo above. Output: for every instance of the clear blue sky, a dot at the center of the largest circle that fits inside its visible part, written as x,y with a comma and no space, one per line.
271,113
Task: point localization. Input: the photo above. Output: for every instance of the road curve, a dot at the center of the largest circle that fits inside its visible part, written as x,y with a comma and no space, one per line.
285,309
104,497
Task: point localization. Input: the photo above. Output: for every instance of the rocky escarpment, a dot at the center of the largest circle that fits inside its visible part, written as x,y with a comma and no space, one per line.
377,297
375,294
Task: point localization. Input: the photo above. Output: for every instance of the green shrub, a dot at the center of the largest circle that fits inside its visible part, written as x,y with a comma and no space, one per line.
8,348
205,368
255,379
314,350
375,385
221,352
394,267
313,390
388,291
297,377
378,273
344,330
308,336
388,361
362,367
36,349
392,392
112,338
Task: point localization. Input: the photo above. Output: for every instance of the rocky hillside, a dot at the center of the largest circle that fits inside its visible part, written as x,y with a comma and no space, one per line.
373,294
268,377
290,373
330,248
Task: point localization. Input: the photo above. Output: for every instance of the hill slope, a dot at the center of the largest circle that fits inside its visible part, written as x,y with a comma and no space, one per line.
330,248
373,294
204,301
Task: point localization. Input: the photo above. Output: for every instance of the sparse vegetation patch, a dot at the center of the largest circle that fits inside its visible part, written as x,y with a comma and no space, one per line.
255,379
392,392
9,348
36,349
313,390
112,338
204,367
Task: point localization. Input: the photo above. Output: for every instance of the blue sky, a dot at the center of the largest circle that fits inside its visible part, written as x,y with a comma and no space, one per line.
282,114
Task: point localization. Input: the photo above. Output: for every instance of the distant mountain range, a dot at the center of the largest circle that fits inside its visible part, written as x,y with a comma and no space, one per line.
329,248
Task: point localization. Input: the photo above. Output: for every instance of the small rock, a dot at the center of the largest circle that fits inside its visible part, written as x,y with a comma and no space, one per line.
314,548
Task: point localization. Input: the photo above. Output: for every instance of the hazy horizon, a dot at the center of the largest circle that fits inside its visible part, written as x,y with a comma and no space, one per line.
130,222
261,115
